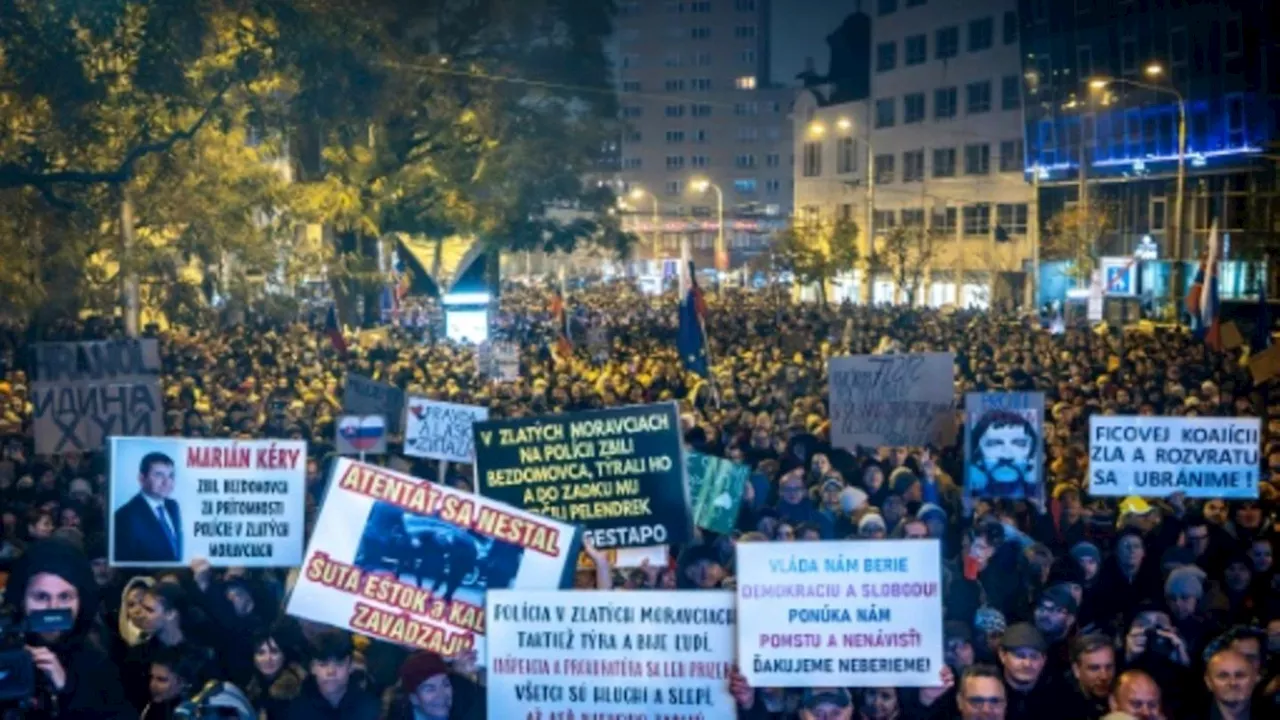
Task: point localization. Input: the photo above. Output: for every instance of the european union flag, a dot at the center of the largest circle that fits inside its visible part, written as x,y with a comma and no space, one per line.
692,340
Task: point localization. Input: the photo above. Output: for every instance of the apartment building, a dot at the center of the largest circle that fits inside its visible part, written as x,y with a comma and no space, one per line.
705,127
919,123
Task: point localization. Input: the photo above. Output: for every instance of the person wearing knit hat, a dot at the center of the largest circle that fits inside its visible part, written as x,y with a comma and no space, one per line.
1086,554
934,517
906,484
53,575
872,526
1184,589
431,691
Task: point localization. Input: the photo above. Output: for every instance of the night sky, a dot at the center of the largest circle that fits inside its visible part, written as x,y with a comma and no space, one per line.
800,29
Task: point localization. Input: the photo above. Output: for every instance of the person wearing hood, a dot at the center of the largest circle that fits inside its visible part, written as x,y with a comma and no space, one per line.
128,633
75,680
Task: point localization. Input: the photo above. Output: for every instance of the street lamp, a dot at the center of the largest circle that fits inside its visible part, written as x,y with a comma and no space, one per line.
700,185
636,194
1156,70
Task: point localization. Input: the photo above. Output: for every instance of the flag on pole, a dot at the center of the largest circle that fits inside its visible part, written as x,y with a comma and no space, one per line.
1202,299
692,338
1260,339
334,330
564,348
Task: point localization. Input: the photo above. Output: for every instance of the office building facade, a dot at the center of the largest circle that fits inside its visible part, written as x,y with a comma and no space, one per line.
1107,85
923,98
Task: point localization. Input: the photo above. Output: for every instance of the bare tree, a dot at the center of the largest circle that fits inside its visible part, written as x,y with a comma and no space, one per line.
1073,234
816,251
906,252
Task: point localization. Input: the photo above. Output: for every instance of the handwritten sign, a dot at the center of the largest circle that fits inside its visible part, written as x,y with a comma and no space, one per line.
84,392
890,400
619,472
840,614
612,654
232,502
506,358
363,396
1004,445
408,561
441,430
1159,456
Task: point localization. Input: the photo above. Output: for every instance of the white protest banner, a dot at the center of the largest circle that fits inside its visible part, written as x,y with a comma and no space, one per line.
840,614
84,392
231,502
441,430
408,561
890,400
611,654
506,357
1158,456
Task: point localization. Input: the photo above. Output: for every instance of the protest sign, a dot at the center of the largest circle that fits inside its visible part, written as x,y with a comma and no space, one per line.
1158,456
358,435
598,342
893,400
619,472
84,392
506,358
231,502
655,557
840,614
613,654
363,396
485,365
1004,445
441,430
716,486
408,561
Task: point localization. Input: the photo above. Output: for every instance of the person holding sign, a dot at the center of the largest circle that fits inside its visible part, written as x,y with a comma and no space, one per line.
148,528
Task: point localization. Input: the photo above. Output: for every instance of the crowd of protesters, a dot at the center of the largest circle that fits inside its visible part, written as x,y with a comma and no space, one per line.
1069,608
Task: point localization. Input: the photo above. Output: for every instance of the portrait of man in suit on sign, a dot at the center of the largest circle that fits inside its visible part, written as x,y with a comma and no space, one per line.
148,528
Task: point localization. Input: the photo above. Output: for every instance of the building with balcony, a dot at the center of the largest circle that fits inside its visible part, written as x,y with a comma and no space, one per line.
918,122
1107,86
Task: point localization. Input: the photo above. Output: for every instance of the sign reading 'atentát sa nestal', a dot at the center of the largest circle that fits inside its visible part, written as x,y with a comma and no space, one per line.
618,472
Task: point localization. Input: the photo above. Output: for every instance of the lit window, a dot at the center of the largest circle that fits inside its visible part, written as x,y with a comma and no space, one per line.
746,82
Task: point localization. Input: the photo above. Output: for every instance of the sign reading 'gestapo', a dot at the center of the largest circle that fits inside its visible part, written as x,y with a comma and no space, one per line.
620,472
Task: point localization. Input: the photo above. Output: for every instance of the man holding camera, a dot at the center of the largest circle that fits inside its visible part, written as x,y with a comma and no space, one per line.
51,586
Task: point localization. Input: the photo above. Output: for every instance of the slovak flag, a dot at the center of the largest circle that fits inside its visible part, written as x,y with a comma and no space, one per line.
1202,298
334,330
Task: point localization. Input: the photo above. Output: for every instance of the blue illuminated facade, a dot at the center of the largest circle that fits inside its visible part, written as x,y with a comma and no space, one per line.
1220,56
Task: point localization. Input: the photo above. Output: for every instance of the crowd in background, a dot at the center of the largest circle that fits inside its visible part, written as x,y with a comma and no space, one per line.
1072,607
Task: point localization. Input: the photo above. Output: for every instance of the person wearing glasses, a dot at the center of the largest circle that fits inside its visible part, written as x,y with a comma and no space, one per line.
981,694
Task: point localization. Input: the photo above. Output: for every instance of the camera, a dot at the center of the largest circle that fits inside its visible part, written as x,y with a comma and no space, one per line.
17,674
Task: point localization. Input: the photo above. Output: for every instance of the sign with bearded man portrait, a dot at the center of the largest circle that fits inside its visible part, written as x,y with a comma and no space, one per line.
1004,445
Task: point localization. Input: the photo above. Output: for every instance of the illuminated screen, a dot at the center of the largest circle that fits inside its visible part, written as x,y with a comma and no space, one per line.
469,326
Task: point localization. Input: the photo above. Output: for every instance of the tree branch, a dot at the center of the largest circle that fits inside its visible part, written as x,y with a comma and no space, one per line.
13,175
